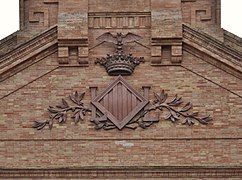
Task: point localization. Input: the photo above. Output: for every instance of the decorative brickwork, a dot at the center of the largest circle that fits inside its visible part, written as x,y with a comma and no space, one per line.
119,20
186,53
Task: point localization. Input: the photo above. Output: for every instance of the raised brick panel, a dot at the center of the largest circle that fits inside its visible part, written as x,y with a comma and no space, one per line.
204,15
201,12
36,16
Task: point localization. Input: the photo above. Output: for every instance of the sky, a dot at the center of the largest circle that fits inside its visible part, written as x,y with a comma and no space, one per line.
231,16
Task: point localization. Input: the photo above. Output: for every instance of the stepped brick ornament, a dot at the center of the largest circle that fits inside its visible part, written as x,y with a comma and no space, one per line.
119,63
120,106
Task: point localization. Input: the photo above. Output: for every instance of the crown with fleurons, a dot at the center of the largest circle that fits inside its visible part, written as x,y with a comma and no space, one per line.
119,63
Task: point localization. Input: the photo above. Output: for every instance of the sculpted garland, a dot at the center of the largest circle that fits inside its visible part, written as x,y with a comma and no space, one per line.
59,112
173,111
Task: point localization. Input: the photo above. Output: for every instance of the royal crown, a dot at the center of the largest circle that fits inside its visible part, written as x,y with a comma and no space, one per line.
119,63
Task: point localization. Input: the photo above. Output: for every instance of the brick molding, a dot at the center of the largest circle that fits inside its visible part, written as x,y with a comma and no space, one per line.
223,56
10,62
125,172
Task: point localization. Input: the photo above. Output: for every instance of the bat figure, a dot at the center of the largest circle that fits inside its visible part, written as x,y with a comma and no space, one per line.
119,39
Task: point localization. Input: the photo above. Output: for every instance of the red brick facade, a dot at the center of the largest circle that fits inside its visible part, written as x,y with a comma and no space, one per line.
186,53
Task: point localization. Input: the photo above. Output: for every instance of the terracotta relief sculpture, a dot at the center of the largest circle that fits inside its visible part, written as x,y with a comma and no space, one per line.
119,63
120,106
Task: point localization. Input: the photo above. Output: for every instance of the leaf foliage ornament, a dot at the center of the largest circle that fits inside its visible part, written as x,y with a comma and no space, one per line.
59,112
174,114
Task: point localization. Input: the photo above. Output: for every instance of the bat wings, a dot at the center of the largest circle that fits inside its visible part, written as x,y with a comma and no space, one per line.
128,38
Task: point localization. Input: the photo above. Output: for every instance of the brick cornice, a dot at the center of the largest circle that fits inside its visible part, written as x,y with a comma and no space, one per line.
125,172
225,57
232,37
8,43
24,52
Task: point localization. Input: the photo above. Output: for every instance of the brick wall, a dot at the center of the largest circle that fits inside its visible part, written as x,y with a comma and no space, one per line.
26,95
163,144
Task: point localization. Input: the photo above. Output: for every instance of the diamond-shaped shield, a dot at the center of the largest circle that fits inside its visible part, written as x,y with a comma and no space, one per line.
120,102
